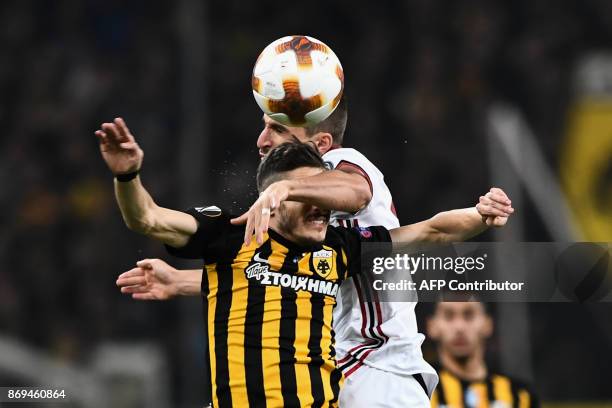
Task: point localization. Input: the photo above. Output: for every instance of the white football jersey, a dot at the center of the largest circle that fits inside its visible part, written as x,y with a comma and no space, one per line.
382,335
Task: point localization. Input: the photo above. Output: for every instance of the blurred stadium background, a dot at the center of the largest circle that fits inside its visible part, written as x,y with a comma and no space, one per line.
447,98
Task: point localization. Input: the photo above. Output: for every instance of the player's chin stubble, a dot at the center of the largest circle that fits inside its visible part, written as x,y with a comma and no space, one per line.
295,227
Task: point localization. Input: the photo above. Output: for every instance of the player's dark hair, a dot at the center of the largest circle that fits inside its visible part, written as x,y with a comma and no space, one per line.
462,296
335,124
286,157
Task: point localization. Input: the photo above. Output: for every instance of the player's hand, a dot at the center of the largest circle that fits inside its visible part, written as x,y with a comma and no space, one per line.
119,148
495,207
151,279
257,218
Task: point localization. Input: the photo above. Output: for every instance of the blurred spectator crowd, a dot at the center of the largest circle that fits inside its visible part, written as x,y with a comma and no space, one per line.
420,75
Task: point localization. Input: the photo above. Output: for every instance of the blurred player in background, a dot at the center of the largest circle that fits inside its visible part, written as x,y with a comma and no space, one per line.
460,330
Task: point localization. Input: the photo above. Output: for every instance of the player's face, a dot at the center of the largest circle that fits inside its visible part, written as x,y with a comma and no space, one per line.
460,328
275,133
301,223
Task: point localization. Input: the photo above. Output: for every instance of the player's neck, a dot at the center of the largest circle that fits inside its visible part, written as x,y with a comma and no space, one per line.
472,368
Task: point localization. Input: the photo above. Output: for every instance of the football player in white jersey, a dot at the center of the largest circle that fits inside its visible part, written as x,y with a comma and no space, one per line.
377,343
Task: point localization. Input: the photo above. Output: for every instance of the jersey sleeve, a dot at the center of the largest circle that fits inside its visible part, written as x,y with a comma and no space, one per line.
351,158
352,240
213,224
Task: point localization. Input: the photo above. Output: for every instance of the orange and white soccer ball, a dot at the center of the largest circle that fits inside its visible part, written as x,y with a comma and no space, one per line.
298,81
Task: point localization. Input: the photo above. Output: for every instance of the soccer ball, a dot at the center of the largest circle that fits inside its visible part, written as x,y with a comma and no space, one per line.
297,81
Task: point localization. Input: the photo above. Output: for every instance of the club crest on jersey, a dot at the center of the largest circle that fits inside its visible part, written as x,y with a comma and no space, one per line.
323,262
210,211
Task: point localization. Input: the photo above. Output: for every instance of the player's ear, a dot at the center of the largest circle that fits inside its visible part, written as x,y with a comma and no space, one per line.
324,141
488,327
432,328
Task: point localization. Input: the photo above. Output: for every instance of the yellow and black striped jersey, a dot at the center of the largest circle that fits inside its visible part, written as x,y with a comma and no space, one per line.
270,306
494,391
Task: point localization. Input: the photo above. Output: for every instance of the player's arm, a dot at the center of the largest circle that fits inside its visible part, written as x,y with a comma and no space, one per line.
345,189
342,189
493,209
154,279
140,212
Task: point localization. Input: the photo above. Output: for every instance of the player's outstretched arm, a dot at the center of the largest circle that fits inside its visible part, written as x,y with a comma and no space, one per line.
493,209
338,190
140,212
335,189
154,279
